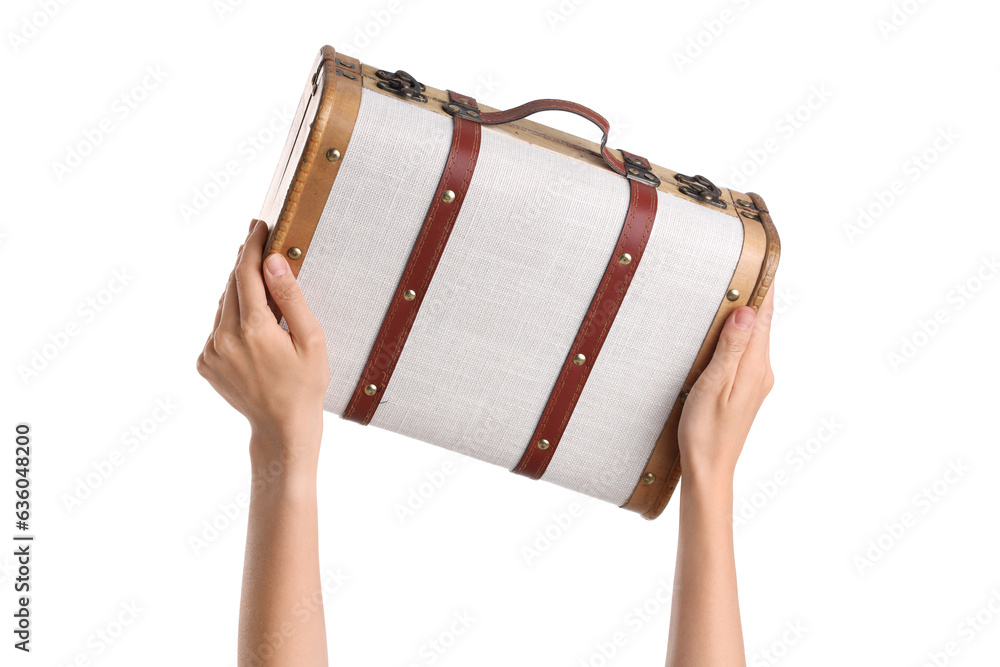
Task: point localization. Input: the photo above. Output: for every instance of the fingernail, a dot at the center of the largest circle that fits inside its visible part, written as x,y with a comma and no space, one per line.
276,265
253,225
745,317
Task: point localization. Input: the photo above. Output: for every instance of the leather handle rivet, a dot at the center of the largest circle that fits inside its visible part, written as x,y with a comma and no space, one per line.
648,478
371,390
448,196
543,444
733,294
409,295
579,359
333,155
624,259
684,397
294,253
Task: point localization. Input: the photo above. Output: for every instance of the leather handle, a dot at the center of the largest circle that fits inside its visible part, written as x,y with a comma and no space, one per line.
529,108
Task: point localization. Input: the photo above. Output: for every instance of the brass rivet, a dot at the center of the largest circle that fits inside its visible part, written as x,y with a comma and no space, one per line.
371,390
409,295
624,259
472,113
448,196
543,444
579,359
733,294
333,155
633,171
462,100
684,397
294,253
648,478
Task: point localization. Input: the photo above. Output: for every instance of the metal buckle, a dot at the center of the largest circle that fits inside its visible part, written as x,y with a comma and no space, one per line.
639,170
462,111
700,188
402,84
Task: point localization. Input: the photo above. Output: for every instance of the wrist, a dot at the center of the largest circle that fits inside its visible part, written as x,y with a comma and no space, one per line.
290,448
712,488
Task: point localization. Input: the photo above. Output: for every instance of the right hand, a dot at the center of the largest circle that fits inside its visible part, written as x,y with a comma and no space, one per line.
722,404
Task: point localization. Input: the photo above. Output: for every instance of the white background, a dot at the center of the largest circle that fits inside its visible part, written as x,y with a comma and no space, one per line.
820,107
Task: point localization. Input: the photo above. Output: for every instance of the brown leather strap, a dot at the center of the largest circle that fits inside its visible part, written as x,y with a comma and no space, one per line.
424,257
590,338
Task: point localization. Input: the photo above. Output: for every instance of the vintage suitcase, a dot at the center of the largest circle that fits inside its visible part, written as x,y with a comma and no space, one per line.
502,289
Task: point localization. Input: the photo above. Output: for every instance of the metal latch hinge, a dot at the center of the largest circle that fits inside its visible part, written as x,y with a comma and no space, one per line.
700,188
402,84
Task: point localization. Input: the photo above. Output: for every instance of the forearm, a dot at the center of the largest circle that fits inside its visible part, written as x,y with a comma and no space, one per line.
705,629
281,609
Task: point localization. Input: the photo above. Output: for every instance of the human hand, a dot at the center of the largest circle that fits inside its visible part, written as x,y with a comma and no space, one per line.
722,404
277,379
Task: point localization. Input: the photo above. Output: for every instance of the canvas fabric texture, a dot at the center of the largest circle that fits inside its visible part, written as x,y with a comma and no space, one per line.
524,259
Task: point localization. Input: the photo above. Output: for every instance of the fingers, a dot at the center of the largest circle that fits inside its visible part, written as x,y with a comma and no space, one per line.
721,370
230,320
222,299
249,281
754,372
760,338
284,289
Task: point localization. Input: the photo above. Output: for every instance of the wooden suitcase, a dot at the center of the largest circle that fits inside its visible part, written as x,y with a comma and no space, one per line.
499,288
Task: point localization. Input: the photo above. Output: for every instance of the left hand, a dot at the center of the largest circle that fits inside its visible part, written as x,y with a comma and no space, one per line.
276,378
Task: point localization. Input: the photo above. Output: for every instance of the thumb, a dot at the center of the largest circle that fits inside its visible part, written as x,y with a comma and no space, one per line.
732,344
287,295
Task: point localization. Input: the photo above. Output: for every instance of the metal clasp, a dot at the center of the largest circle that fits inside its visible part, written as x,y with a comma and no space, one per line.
700,188
402,84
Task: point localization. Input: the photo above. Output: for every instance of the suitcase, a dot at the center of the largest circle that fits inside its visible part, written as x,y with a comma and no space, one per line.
505,290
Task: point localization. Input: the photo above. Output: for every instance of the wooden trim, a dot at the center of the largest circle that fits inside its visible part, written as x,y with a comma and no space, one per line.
329,115
773,252
752,276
